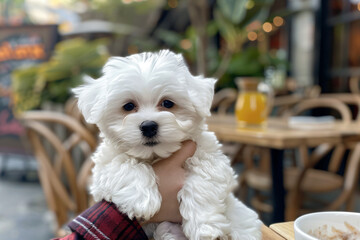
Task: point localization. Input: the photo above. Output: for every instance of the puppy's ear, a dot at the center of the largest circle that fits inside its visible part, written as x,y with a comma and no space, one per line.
202,94
91,99
201,89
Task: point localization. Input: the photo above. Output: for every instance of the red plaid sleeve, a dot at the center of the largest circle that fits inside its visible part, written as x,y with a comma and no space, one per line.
104,221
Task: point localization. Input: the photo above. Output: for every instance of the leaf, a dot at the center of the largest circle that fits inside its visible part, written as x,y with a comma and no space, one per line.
226,28
246,63
259,12
284,13
169,37
234,10
53,79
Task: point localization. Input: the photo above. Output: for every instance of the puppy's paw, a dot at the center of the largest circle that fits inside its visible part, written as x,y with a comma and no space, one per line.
250,232
169,231
145,208
208,232
205,232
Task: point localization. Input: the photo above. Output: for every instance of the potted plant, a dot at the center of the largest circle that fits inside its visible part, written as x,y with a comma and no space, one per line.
51,81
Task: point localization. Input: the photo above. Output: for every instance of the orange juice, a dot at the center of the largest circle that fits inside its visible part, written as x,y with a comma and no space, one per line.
251,108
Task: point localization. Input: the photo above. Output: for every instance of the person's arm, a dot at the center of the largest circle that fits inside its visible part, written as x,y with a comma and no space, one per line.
171,176
104,219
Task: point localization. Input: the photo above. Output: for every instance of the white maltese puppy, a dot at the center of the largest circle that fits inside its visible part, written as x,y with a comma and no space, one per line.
145,105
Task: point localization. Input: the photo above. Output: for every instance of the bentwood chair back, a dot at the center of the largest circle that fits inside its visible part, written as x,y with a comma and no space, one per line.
283,103
64,163
314,103
224,100
71,109
350,99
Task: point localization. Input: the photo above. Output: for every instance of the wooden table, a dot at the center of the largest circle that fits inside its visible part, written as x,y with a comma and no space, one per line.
278,136
285,230
269,234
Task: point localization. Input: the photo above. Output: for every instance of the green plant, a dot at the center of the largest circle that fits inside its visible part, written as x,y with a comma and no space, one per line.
232,55
235,19
52,80
250,62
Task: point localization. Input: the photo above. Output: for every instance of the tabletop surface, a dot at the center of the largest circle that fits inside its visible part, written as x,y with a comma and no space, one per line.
269,234
285,229
279,134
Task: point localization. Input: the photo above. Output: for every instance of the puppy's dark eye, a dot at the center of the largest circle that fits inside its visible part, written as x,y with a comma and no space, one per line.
167,104
129,106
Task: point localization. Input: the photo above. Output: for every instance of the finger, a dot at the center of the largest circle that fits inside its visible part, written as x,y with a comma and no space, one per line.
187,150
189,147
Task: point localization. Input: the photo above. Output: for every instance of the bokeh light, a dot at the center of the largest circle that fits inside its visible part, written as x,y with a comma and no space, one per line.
278,21
185,44
172,3
132,49
252,36
267,27
250,4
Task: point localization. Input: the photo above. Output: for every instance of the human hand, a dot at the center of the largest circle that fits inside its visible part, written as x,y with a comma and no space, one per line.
171,176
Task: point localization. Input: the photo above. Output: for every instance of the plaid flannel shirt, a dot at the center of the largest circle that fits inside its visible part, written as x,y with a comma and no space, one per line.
104,221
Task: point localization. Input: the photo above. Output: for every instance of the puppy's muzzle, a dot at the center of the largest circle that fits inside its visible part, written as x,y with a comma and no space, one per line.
149,128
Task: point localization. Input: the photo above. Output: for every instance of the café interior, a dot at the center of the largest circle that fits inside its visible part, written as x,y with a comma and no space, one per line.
286,106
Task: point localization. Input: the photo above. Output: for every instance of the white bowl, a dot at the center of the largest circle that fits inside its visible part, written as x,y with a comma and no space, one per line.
325,220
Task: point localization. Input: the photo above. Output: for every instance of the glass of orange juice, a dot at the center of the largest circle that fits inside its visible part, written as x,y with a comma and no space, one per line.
251,107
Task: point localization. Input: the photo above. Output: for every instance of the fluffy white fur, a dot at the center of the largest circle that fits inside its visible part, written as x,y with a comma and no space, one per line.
123,172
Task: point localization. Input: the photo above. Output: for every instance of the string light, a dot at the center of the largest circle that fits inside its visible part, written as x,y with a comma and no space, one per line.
267,27
185,44
278,21
252,36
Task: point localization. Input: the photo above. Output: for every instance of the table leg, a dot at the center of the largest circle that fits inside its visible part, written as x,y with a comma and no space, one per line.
278,191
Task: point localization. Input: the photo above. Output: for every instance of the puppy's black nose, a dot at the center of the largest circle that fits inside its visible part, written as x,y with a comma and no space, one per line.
149,128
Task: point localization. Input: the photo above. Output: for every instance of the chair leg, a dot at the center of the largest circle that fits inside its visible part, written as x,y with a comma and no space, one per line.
350,203
241,191
293,205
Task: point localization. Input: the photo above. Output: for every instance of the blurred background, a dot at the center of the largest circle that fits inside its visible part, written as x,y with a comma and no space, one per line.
46,46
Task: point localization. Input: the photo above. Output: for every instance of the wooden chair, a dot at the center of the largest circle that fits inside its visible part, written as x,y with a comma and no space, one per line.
284,103
63,178
304,178
354,85
350,99
71,109
310,181
312,91
223,100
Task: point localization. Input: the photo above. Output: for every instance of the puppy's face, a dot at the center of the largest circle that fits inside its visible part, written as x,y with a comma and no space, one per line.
146,104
